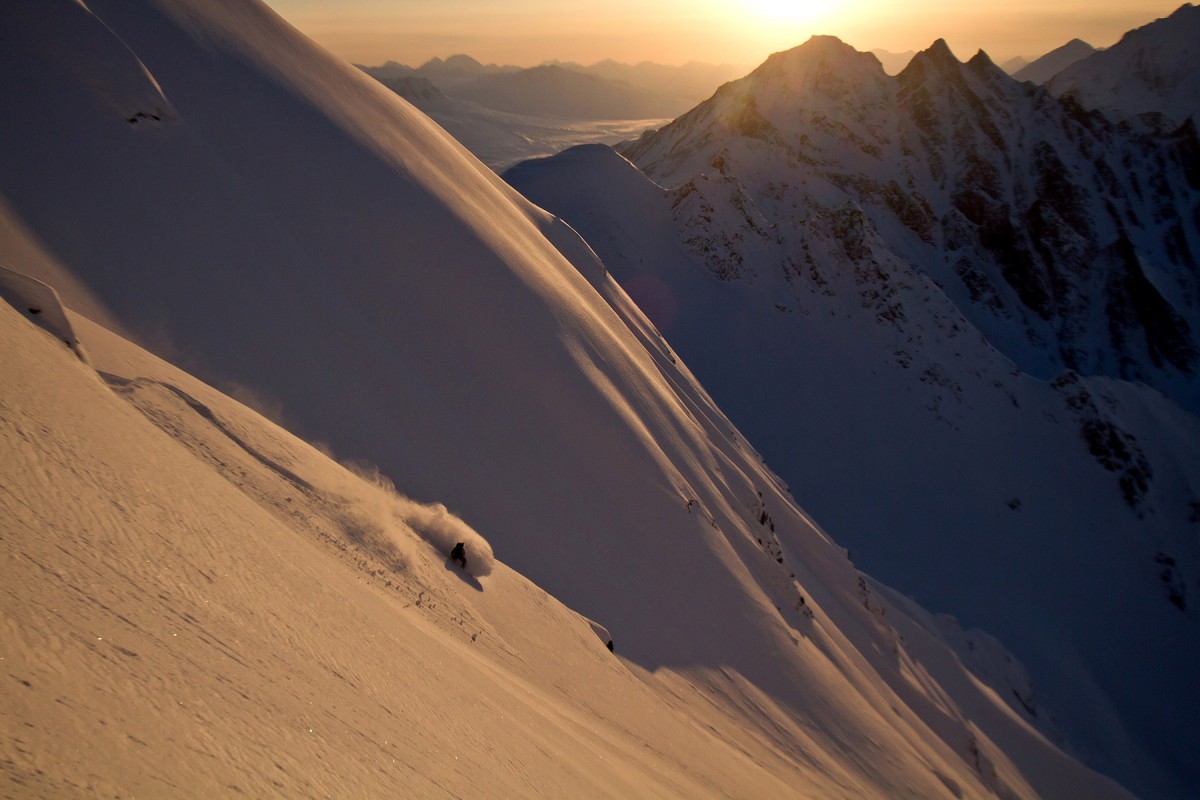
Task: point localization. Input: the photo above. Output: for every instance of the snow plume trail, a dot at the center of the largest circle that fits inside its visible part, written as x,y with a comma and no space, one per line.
384,508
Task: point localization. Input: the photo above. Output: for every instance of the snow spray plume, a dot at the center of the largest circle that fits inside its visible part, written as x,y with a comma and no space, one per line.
434,523
369,522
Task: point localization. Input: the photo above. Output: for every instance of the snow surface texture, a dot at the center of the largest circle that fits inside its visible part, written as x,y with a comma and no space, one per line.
201,584
845,260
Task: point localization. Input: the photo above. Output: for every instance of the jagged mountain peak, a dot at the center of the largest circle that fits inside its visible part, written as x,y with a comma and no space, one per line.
937,55
962,153
1180,27
818,45
982,63
937,64
816,56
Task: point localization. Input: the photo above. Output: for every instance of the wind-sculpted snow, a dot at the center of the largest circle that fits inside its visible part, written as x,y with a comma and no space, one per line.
40,303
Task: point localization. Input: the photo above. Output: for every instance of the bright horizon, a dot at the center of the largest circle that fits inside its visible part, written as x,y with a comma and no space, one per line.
739,32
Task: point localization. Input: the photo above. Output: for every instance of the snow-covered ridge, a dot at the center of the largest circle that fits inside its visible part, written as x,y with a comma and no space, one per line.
1154,69
1063,236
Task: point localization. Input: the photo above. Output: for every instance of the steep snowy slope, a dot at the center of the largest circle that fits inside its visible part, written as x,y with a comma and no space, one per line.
238,613
1155,68
198,604
895,285
229,190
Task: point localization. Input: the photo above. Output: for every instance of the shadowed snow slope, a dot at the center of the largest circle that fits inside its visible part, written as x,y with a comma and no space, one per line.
230,191
949,332
966,331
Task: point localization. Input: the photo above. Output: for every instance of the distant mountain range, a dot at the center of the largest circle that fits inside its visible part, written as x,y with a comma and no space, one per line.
690,83
567,94
505,114
607,90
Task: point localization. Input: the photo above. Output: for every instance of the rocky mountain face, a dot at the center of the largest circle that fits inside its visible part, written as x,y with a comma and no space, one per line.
959,316
1154,70
1071,241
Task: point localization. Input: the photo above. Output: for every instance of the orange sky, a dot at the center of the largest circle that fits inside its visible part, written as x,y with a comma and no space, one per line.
743,32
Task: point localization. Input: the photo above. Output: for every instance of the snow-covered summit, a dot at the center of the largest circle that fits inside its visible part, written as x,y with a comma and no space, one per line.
1007,195
1153,69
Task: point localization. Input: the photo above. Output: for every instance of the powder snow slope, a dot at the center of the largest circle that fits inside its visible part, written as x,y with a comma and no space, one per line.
927,301
275,217
197,603
213,605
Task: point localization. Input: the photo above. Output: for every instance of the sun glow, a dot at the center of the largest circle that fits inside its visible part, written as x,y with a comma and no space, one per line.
787,11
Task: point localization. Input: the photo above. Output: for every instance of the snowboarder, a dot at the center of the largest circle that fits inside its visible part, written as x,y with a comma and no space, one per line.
459,554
